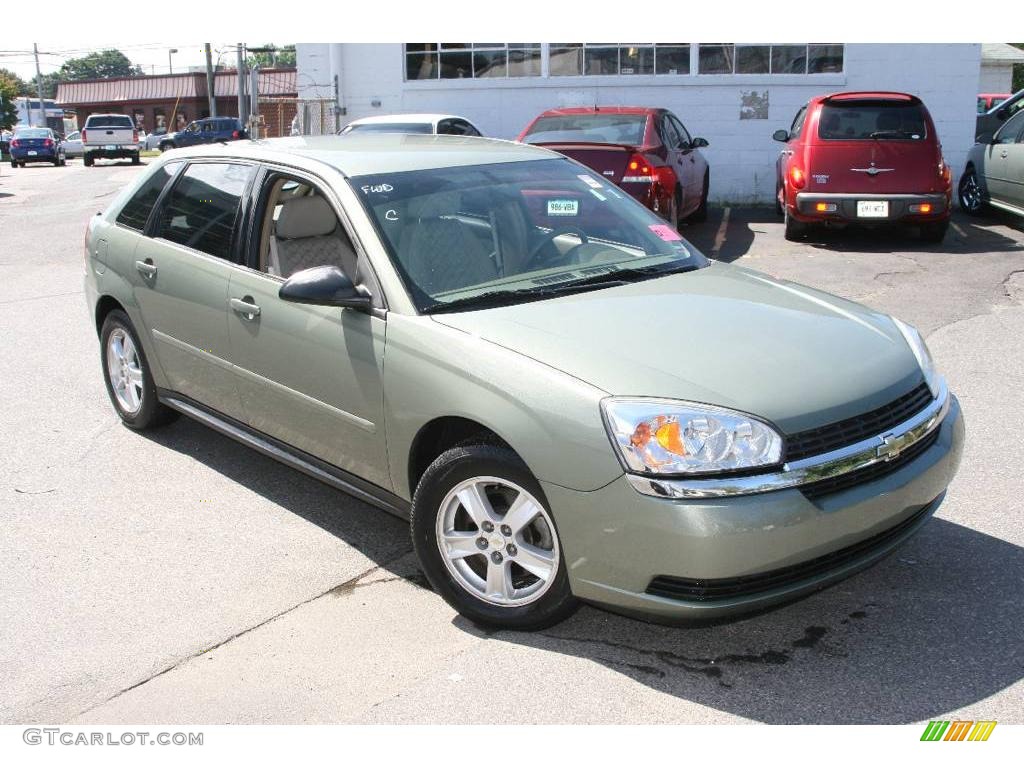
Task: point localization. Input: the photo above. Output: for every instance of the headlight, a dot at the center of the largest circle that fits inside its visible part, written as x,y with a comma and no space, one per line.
671,437
924,357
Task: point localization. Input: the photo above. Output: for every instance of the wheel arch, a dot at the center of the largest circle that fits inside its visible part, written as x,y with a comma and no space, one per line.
104,306
438,435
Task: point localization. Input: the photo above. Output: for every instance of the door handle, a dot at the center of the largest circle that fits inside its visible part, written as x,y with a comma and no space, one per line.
146,268
245,308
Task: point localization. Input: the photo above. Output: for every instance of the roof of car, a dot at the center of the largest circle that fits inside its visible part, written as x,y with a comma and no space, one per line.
420,117
359,154
597,110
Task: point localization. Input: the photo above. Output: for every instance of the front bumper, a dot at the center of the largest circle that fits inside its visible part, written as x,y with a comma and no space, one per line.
846,208
617,541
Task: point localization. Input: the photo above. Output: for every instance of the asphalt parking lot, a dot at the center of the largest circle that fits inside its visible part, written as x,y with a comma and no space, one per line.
177,577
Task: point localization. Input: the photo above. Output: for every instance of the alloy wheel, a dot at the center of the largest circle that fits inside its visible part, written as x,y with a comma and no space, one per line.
970,193
124,370
497,541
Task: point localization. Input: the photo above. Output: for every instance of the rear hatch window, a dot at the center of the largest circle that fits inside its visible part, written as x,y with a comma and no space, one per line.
877,120
596,128
109,121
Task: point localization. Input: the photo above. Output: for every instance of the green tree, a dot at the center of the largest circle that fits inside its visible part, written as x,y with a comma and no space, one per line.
1018,71
8,92
23,87
108,63
270,55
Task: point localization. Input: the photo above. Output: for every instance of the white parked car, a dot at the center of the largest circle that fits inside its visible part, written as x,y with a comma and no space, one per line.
73,144
452,125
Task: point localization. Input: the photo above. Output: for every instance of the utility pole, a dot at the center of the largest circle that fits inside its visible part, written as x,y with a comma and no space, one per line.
241,82
39,87
211,94
254,102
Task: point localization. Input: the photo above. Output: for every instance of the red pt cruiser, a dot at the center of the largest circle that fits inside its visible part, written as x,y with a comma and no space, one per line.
646,151
863,158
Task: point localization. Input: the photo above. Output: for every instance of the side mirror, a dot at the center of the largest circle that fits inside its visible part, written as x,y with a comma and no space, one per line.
697,142
781,135
1003,112
325,286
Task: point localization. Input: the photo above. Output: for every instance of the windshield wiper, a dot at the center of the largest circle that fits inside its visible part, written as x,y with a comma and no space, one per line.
593,282
890,134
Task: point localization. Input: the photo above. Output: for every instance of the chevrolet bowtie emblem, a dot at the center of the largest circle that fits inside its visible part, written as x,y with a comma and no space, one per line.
892,446
872,171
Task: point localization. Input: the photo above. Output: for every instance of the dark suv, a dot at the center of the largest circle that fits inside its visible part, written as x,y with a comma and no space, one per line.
205,131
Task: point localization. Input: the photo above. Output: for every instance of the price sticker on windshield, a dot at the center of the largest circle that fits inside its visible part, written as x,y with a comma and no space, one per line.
563,207
665,232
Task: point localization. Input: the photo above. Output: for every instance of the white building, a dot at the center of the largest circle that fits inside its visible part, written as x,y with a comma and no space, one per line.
735,96
997,60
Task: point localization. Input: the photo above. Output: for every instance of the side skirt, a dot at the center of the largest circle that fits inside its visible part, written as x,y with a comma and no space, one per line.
287,454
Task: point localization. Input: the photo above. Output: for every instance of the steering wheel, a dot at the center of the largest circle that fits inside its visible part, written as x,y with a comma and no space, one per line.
567,230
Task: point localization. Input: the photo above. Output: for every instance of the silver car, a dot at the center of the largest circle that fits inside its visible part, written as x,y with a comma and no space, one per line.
995,171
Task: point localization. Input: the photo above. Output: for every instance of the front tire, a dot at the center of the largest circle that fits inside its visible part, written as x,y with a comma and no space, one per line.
128,377
969,193
487,542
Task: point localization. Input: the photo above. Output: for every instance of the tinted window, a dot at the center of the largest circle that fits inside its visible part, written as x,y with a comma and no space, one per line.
136,211
669,136
871,120
798,122
109,121
607,128
1010,129
680,129
391,128
201,209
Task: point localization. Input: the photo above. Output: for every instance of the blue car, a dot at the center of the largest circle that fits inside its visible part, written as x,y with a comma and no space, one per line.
205,131
36,145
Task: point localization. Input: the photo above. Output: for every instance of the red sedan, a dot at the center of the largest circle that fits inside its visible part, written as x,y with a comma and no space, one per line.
644,150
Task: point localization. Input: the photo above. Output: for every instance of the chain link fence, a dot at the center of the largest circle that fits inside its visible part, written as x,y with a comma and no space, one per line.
298,117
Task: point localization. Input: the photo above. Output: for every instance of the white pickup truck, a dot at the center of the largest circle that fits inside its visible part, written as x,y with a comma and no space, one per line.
111,137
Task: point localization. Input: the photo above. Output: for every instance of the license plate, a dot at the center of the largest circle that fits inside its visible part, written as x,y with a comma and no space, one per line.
32,152
873,209
110,147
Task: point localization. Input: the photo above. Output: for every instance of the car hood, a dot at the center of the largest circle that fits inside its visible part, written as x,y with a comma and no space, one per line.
723,335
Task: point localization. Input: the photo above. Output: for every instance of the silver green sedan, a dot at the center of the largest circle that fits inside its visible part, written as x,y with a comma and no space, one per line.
564,398
994,174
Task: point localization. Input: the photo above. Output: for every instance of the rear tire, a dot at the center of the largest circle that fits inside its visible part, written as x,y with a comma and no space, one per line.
128,377
490,585
701,214
135,159
87,160
795,230
934,232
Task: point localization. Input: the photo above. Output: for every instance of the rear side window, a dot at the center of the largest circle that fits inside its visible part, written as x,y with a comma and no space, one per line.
887,120
109,121
136,211
201,209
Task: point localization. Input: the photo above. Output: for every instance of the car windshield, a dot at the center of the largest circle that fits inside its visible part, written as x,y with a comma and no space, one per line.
32,133
852,120
390,128
467,237
606,128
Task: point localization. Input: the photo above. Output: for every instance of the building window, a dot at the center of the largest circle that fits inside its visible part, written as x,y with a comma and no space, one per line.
453,61
790,59
618,59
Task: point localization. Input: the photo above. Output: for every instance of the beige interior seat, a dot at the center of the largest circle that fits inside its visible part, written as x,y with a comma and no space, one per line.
307,234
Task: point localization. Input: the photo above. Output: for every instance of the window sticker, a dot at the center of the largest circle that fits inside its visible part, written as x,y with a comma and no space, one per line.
598,195
563,207
590,181
665,232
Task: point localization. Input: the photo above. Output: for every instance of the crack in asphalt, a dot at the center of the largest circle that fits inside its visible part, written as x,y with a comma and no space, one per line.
347,586
1005,284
